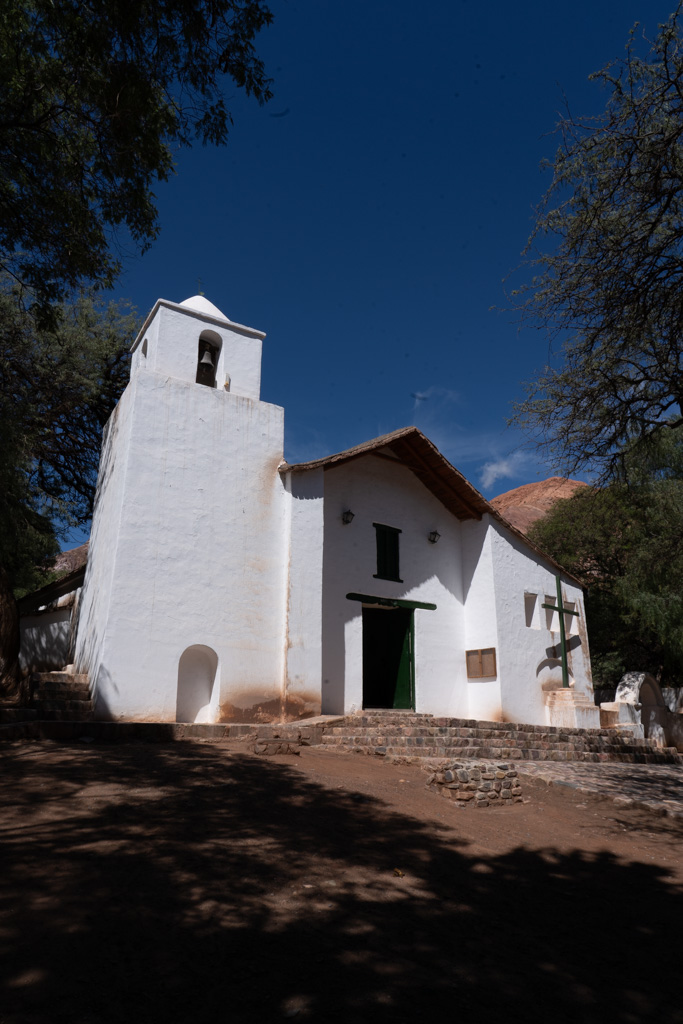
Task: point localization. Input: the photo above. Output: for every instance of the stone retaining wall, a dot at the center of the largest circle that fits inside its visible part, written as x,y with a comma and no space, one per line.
300,735
480,785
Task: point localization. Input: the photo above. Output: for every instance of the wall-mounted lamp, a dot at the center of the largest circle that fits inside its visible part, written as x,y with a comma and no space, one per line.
347,517
433,537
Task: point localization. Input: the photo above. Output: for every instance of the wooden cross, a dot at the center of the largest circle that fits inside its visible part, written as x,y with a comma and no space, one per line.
562,610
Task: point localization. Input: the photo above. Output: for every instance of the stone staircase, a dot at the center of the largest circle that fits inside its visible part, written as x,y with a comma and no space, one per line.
407,734
570,709
11,714
61,697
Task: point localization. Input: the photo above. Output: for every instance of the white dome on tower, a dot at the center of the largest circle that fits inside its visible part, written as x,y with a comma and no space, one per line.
200,304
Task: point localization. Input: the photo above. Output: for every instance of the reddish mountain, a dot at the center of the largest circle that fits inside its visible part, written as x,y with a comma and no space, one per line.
68,561
524,505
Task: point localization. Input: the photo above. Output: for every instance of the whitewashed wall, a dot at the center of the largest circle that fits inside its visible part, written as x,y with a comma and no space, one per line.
189,549
481,623
477,575
378,492
529,656
102,553
46,638
305,593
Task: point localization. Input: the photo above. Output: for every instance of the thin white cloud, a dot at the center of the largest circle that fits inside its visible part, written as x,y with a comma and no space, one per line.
502,468
485,456
435,394
461,446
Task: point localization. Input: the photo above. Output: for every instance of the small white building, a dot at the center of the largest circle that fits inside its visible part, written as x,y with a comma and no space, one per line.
224,585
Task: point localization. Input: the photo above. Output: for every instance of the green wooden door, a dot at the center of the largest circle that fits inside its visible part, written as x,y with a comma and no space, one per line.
403,693
388,672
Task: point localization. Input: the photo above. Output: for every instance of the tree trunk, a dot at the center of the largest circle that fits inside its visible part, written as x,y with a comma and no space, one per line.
10,689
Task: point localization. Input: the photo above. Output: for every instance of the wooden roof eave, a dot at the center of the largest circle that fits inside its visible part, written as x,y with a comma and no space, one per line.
51,591
415,451
446,483
441,478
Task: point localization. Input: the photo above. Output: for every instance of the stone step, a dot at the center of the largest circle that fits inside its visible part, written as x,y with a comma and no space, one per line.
62,705
466,727
478,737
60,677
61,696
67,727
401,734
659,755
351,722
415,746
394,720
59,691
390,716
17,715
444,734
62,714
575,700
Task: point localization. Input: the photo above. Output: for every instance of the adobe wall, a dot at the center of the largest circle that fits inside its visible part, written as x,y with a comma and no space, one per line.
189,543
378,492
529,635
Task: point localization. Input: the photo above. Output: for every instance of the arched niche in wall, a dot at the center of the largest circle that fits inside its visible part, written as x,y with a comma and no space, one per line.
197,670
208,354
639,688
642,690
651,694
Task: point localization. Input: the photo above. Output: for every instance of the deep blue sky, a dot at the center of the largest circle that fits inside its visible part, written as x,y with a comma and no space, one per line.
366,218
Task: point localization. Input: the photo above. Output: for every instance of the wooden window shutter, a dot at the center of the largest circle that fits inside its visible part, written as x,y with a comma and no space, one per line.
488,661
481,663
387,552
473,664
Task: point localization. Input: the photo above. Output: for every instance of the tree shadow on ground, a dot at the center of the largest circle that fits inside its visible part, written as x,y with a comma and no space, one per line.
182,884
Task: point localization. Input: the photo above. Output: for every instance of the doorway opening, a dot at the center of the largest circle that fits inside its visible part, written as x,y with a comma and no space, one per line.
388,662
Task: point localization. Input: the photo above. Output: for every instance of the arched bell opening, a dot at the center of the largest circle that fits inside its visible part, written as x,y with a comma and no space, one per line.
208,353
197,676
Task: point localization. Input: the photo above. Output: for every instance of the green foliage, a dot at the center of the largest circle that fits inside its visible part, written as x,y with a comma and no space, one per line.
610,280
28,543
92,99
57,389
624,543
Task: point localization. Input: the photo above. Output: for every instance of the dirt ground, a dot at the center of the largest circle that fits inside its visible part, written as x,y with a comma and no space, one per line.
199,882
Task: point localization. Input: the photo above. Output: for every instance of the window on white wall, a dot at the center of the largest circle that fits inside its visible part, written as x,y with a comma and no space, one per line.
387,552
552,619
571,622
531,611
481,664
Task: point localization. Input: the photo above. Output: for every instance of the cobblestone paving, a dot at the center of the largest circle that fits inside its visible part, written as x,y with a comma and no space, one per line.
654,788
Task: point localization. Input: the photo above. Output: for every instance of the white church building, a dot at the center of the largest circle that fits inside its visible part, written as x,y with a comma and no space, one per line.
224,585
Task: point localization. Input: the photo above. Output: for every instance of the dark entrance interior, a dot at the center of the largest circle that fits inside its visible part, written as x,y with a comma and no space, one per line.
388,658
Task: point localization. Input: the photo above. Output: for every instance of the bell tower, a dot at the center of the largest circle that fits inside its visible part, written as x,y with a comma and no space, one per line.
183,607
193,341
